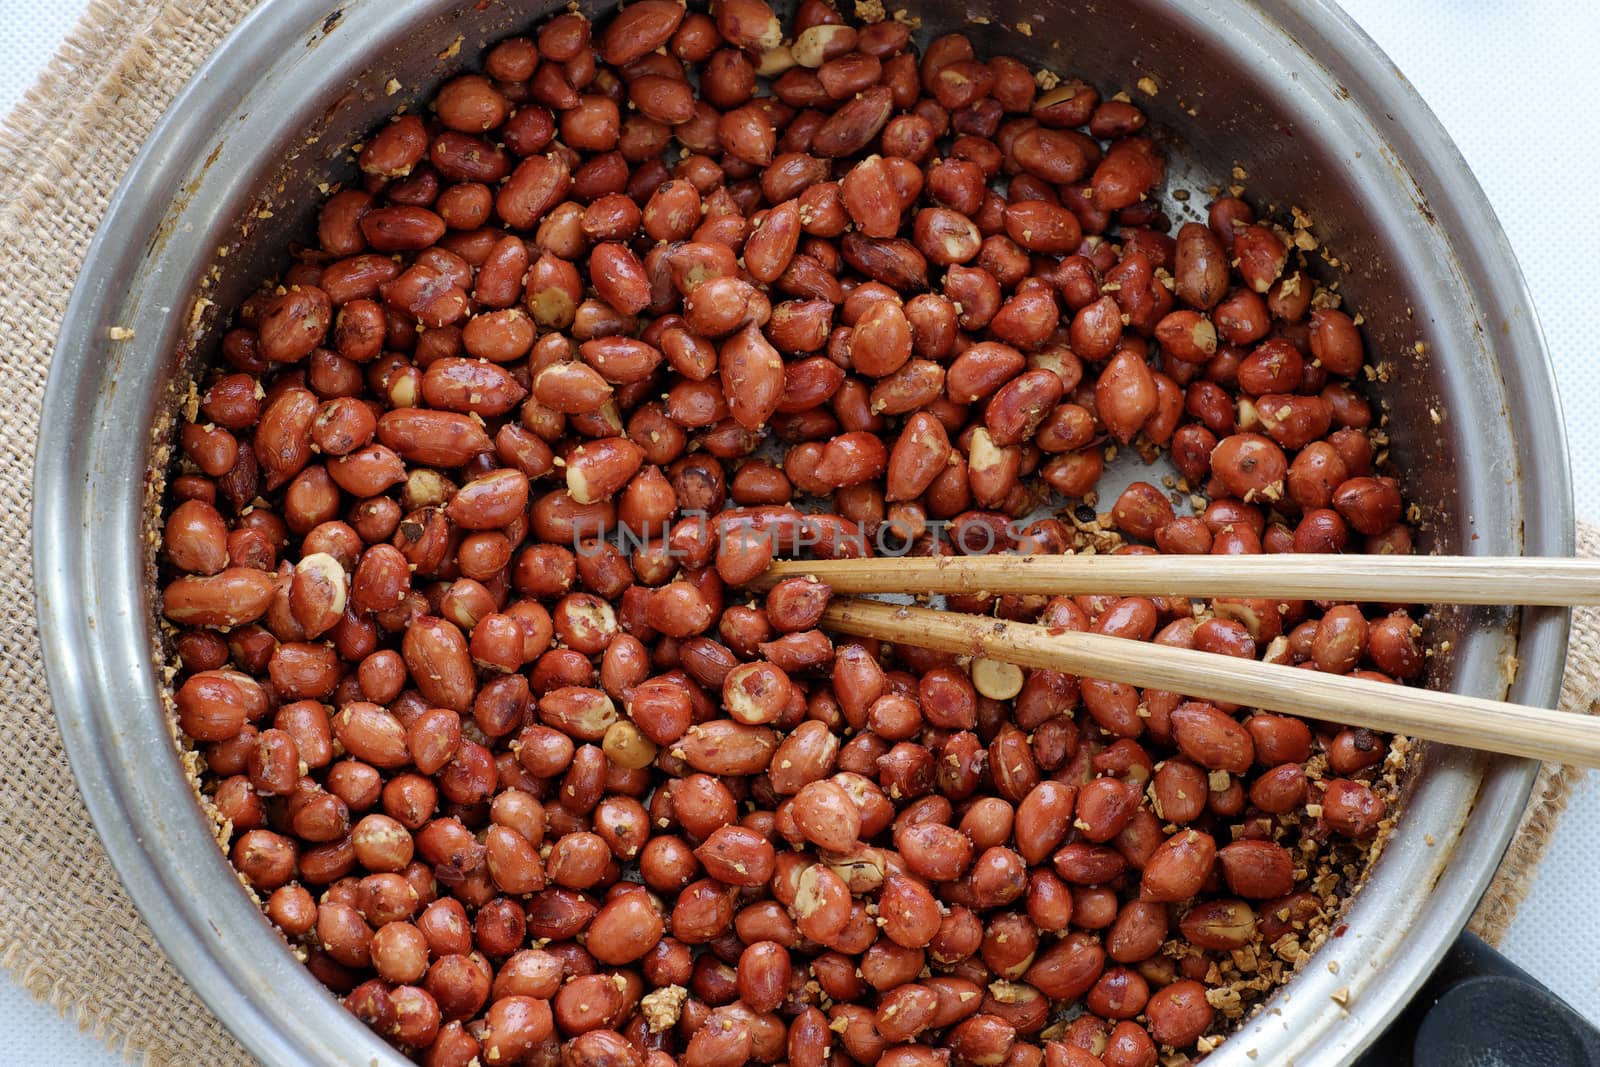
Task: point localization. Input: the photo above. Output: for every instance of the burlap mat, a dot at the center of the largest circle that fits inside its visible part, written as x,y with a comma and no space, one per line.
67,930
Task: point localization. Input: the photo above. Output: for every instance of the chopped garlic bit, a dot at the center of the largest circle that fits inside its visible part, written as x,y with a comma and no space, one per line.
662,1007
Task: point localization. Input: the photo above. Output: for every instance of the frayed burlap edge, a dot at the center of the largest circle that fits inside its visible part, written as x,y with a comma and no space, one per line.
1515,877
1580,692
67,930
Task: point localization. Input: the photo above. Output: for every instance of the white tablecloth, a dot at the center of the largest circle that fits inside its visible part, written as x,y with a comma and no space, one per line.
1515,82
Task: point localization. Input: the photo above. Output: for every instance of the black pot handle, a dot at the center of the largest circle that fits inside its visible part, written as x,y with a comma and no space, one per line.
1481,1009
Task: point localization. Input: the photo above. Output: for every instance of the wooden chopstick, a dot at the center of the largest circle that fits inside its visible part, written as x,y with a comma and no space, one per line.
1384,579
1489,725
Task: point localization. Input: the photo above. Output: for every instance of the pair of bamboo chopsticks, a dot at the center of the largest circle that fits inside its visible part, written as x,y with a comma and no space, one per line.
1489,725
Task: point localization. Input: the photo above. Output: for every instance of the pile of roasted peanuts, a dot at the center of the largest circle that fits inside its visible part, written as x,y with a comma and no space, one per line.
462,505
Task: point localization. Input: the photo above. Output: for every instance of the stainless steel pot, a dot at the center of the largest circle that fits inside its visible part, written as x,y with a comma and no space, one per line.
1292,92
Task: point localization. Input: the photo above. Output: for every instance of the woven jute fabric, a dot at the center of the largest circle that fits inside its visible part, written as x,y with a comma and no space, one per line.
1580,692
67,930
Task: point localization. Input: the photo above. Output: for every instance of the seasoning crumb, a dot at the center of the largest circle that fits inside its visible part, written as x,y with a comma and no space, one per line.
1025,29
1009,992
454,49
120,333
391,87
1147,85
197,312
1340,996
662,1007
1333,966
870,10
1227,1000
1046,79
